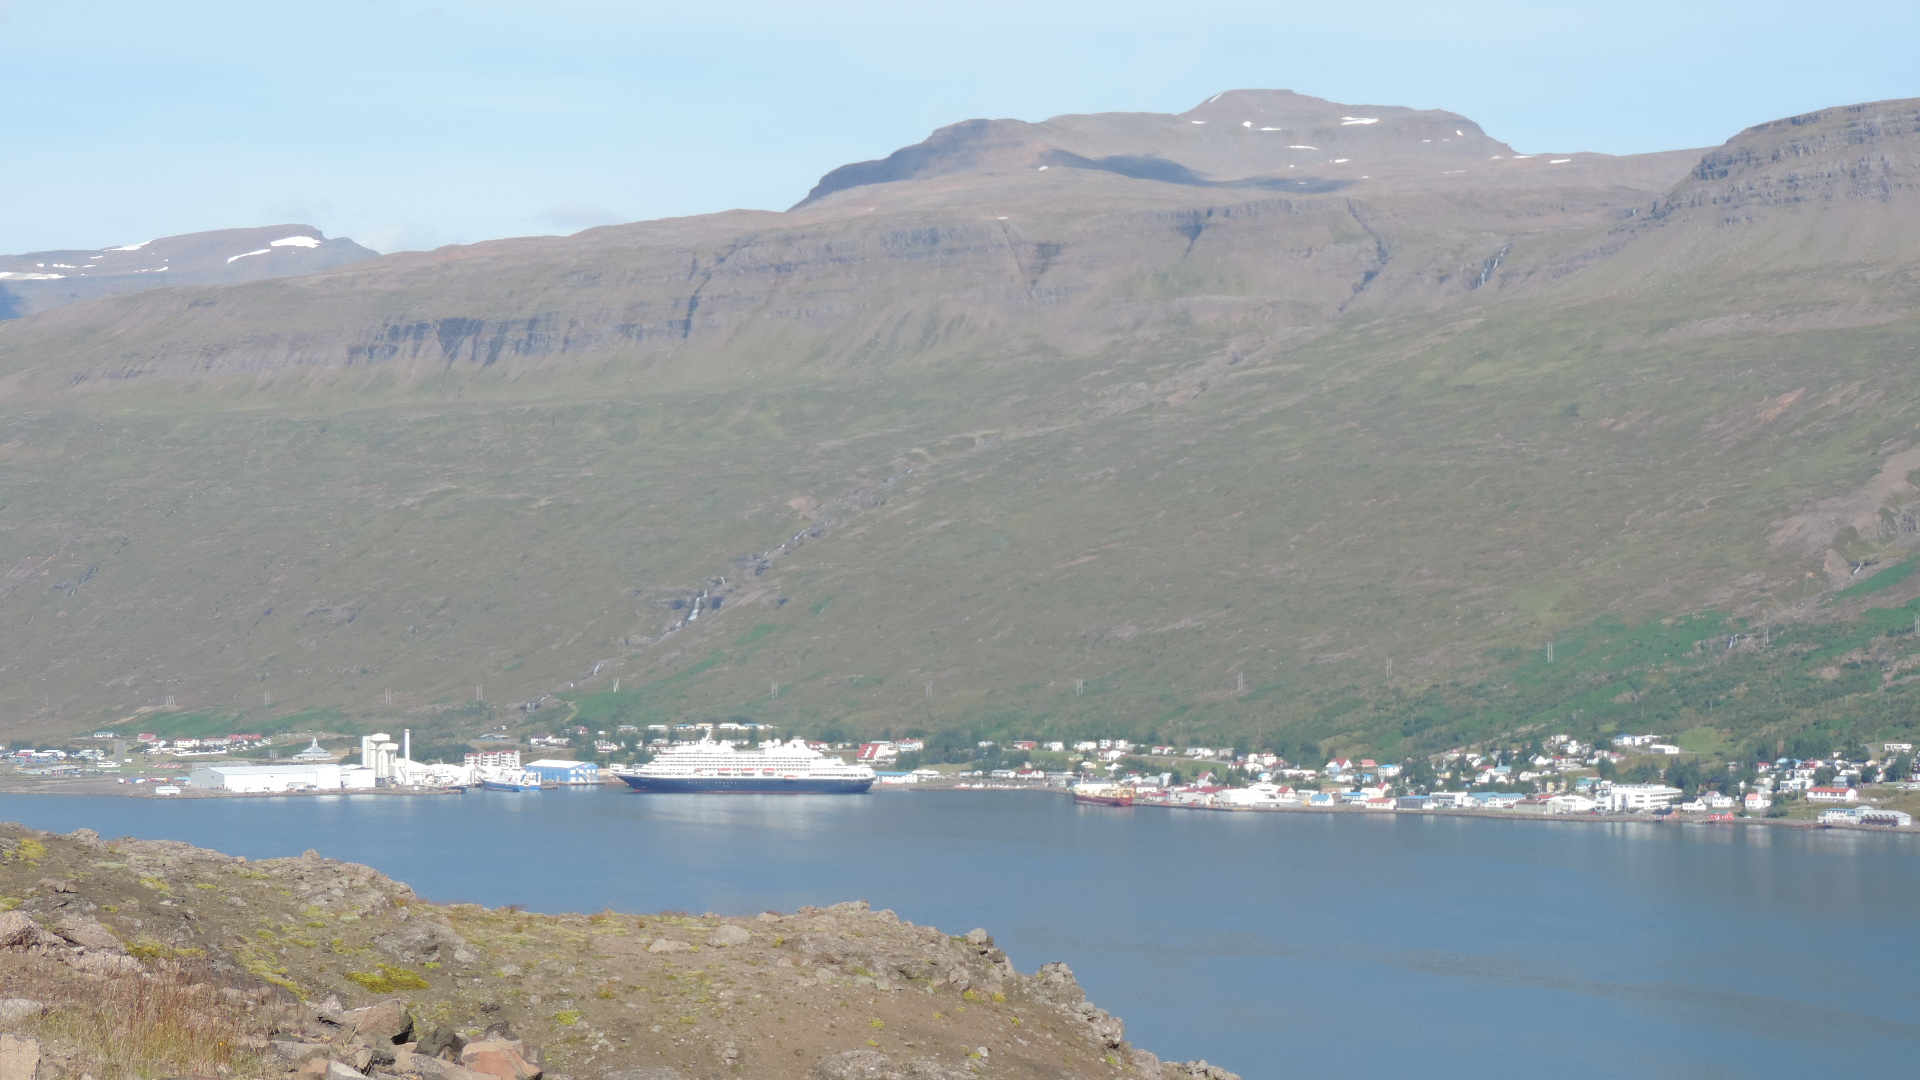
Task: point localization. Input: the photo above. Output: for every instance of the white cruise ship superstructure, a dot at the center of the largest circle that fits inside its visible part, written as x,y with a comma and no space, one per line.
788,768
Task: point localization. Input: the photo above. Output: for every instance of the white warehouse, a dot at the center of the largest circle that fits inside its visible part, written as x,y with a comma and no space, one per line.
259,779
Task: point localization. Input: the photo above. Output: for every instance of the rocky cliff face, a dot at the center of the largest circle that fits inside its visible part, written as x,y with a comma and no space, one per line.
1259,211
1868,152
155,958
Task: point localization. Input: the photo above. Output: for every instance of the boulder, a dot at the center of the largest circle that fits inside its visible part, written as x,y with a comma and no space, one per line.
666,944
424,942
502,1059
1200,1070
385,1022
103,963
19,1010
440,1041
855,1065
88,934
1055,983
19,931
979,938
295,1055
19,1057
729,934
339,1071
432,1068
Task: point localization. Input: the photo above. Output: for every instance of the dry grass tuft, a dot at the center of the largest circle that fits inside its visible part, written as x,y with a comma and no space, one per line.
168,1020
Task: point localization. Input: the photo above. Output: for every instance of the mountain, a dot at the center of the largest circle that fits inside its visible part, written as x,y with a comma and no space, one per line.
40,280
1087,426
1273,140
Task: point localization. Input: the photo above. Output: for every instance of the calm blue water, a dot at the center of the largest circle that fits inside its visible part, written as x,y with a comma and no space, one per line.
1269,943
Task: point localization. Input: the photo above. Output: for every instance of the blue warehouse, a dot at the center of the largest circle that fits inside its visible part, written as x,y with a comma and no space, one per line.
556,771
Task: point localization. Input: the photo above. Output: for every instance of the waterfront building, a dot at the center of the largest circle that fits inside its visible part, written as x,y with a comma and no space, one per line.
558,771
1260,794
281,777
1633,798
1833,794
493,759
380,753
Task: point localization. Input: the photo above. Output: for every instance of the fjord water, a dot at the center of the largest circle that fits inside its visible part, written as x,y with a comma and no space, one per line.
1269,943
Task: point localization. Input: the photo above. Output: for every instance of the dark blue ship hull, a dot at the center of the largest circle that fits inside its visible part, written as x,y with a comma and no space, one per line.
745,785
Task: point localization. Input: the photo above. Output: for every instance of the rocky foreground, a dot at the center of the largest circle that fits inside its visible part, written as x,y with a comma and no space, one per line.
134,958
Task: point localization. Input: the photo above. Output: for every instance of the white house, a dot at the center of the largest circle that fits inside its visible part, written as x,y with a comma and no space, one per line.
1755,801
1833,794
1627,798
1571,804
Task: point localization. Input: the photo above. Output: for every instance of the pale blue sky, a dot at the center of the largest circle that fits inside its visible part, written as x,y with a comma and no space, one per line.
412,123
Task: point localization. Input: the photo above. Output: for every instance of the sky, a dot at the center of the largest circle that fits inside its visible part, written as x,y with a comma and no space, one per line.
410,124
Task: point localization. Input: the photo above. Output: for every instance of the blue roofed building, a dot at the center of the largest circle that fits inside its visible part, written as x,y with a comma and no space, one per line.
558,771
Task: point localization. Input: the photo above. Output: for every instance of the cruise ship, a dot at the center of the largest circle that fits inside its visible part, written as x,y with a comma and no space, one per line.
789,768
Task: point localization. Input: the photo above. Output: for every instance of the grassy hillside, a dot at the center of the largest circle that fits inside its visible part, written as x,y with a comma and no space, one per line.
1187,502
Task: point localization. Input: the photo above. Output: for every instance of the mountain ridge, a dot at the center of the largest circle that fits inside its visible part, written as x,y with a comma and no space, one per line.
35,281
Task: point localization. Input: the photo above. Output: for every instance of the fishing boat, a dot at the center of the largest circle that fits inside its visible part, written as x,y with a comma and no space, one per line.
510,780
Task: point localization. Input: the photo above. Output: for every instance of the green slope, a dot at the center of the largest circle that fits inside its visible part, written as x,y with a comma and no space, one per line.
1187,505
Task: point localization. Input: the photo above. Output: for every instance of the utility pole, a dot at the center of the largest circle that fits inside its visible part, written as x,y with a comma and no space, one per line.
1240,685
476,692
1549,652
1080,685
775,692
929,687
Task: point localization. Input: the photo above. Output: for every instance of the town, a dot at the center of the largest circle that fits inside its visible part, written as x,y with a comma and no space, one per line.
1631,775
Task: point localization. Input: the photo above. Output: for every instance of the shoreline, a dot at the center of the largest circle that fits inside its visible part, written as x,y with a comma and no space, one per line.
95,786
1493,815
